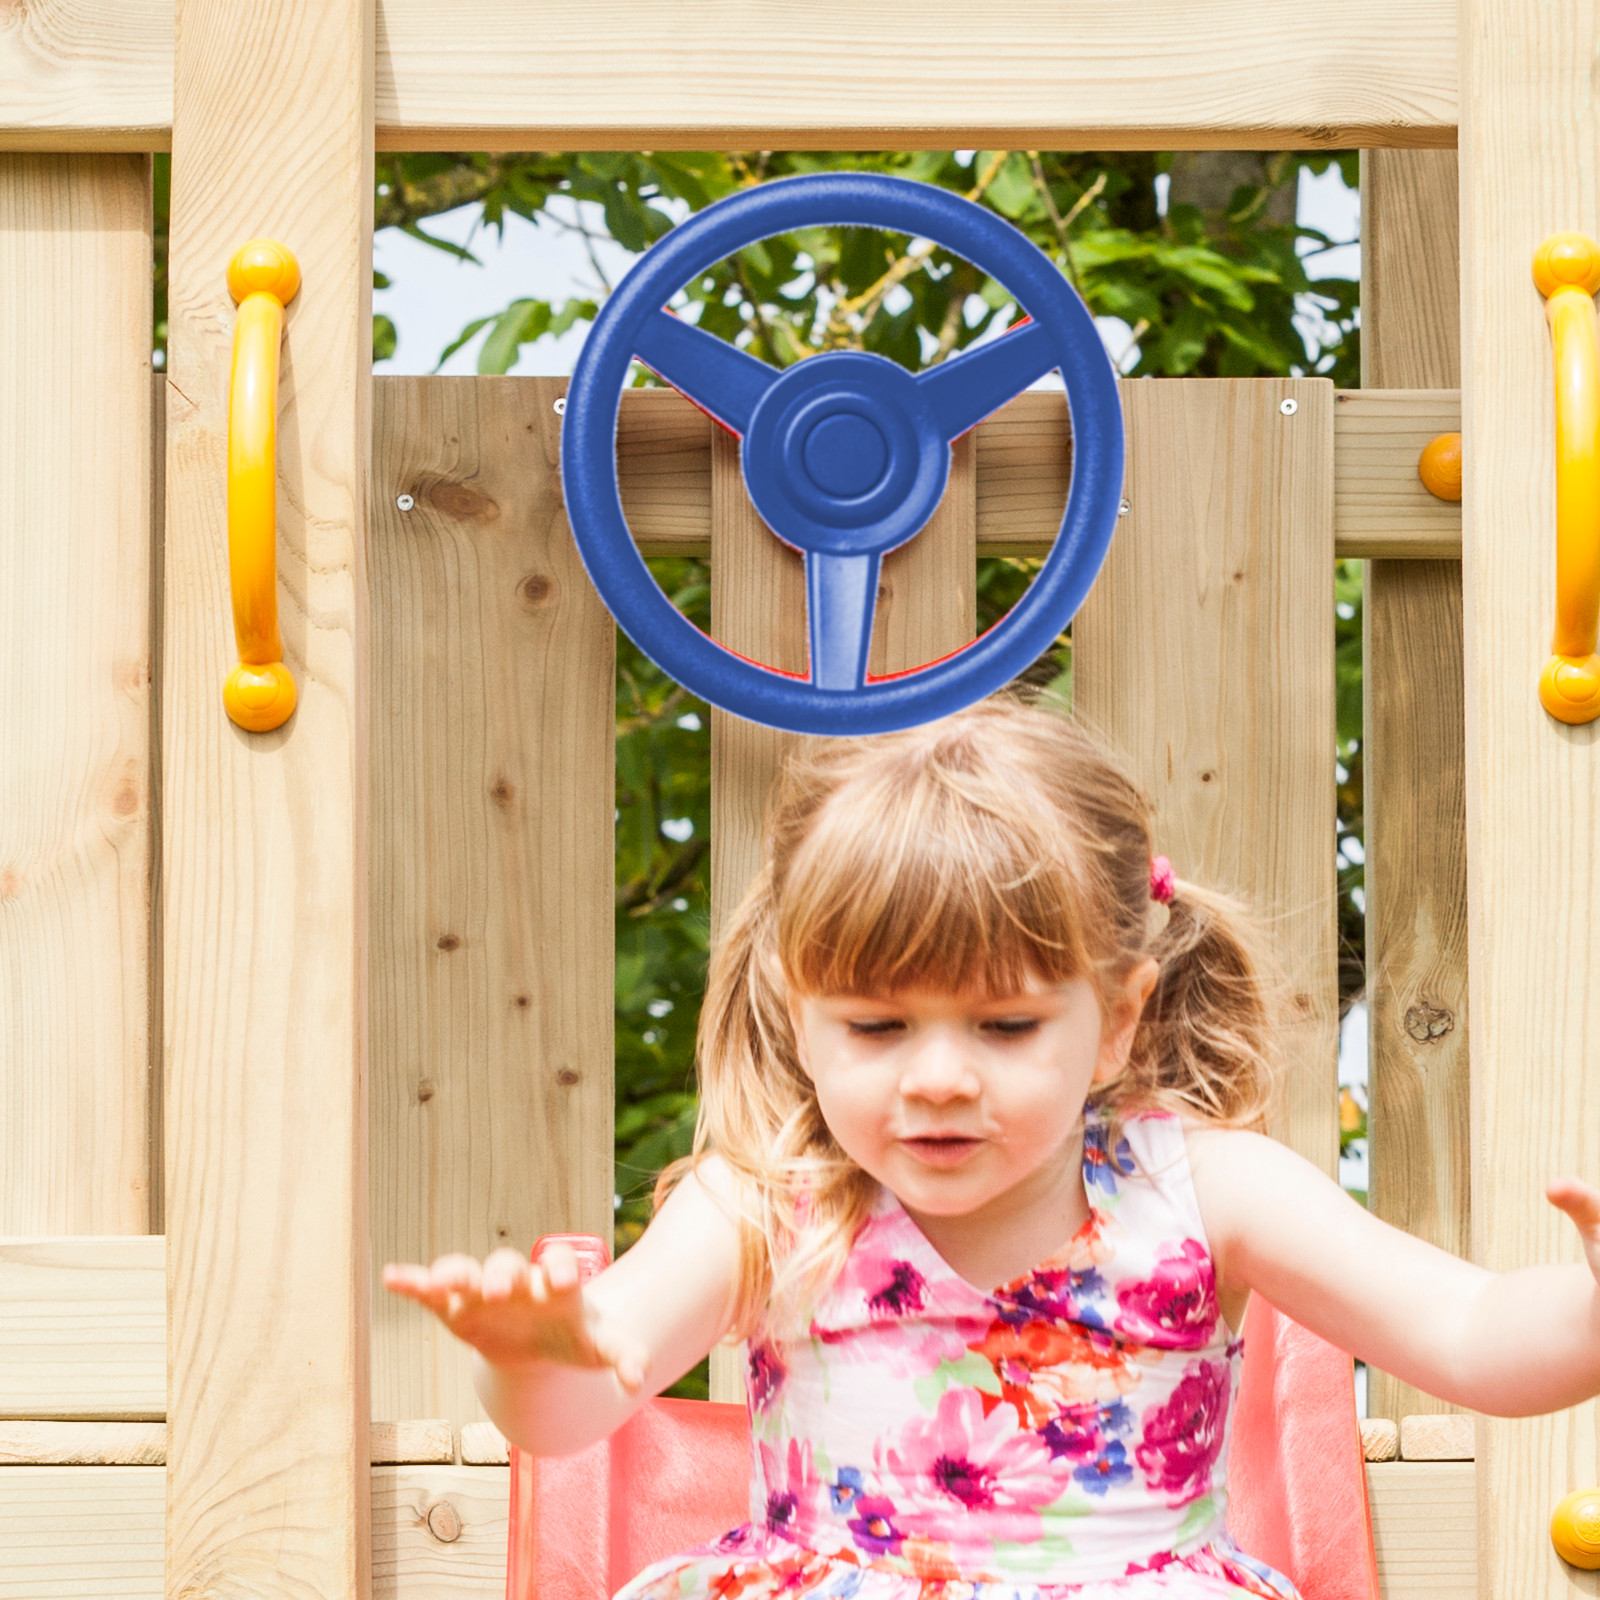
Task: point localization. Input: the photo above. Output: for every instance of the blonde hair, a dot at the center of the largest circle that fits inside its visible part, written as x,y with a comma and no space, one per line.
972,854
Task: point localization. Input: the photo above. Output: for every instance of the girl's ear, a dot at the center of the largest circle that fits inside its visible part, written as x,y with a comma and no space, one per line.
1125,1008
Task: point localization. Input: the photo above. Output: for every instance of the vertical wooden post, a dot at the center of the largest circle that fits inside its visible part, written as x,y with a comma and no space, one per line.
268,1476
1529,128
926,608
76,819
1205,653
1414,751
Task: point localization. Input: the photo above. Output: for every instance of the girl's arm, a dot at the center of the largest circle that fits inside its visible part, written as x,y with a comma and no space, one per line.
559,1365
1512,1344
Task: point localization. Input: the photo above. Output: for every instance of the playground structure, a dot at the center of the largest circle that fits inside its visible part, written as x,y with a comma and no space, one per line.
277,1005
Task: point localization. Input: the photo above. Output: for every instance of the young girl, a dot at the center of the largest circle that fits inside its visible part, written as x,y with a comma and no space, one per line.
978,1179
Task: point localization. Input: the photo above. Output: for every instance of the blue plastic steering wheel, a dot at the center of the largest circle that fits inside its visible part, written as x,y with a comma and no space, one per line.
845,455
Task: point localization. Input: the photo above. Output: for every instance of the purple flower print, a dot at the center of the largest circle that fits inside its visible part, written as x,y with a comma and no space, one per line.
904,1292
961,1460
845,1490
1080,1433
1102,1165
1175,1308
1063,1293
874,1526
767,1373
780,1510
1183,1438
1108,1469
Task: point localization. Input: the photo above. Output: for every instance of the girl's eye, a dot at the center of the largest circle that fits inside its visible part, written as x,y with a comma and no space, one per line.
874,1027
1012,1027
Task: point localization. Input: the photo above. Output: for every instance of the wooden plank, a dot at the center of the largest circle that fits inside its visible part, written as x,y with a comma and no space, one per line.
483,1445
84,1329
264,842
83,1444
81,1533
415,1512
492,857
1380,1439
75,734
1533,785
404,1442
1380,508
1024,464
1414,755
497,74
1424,1528
1438,1436
1205,654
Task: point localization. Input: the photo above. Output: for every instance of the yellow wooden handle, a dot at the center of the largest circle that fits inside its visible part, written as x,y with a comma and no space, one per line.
1567,271
262,278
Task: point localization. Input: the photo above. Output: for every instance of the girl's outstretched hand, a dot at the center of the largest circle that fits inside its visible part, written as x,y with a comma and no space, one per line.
1582,1204
514,1312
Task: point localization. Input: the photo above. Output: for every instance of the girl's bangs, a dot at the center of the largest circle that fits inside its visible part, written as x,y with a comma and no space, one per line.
928,884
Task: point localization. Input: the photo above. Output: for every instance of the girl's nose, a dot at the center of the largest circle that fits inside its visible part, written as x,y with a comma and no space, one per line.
939,1071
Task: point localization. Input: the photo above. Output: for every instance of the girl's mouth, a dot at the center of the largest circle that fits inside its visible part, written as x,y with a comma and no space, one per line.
941,1149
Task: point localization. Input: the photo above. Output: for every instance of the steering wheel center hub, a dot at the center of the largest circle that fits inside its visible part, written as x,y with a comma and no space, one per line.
843,455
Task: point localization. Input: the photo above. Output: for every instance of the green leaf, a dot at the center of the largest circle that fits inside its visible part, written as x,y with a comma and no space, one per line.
383,338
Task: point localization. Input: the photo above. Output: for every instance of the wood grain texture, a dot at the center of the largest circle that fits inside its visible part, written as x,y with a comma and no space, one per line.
483,1445
1380,1439
1424,1529
409,1559
1380,508
1438,1436
1533,785
1023,464
81,1533
264,836
75,731
493,853
496,74
1205,655
403,1442
83,1332
83,1444
1414,756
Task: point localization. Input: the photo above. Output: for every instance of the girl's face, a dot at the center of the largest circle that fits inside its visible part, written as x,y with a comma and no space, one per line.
952,1100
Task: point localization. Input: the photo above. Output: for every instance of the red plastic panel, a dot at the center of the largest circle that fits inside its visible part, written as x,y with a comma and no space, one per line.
1297,1483
679,1473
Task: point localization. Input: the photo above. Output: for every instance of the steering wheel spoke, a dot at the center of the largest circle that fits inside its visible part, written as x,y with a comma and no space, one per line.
841,600
965,389
718,377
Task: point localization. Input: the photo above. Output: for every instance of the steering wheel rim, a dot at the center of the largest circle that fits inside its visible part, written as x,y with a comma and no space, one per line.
1061,334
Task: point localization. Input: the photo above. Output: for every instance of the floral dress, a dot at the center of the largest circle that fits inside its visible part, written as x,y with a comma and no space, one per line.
1064,1435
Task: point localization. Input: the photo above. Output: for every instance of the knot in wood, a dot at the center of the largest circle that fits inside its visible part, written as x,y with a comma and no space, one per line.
1426,1022
566,1077
444,1522
448,941
462,503
535,590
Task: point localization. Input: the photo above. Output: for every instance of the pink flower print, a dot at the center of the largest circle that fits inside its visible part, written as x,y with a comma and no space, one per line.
1044,1366
1183,1438
767,1373
963,1460
903,1291
1175,1308
873,1526
794,1492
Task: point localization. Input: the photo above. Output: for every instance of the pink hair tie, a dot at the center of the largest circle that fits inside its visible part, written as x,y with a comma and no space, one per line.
1163,880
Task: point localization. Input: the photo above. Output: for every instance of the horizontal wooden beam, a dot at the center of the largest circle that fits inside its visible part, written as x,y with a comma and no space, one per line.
84,1330
652,74
442,1529
1380,508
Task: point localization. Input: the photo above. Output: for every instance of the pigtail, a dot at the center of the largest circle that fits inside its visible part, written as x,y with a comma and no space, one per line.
1204,1045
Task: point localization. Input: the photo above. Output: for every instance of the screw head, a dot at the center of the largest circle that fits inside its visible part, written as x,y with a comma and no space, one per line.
560,406
1288,407
404,501
1123,508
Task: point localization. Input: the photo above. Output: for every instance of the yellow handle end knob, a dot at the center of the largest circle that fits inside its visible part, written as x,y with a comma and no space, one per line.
259,698
263,266
1575,1529
1569,689
1567,261
1439,466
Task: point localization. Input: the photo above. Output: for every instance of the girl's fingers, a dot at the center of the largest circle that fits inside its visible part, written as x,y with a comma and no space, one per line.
506,1276
560,1268
1579,1200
